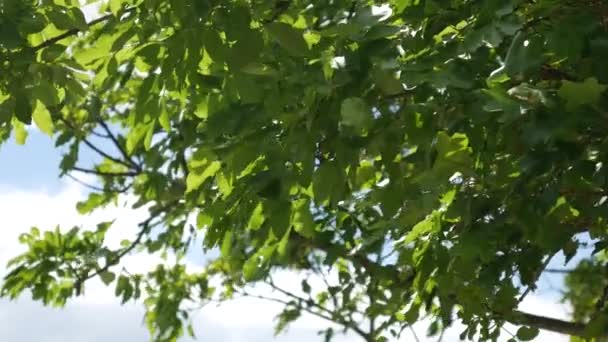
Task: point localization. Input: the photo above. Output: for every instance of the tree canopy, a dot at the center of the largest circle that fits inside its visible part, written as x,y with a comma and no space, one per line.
426,158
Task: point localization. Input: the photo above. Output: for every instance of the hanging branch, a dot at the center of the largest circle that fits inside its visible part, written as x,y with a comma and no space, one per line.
347,324
145,227
97,188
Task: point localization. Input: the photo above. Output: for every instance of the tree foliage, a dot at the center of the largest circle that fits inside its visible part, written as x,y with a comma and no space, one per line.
427,158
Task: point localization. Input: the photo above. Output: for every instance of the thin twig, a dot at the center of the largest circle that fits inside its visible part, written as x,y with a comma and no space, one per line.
558,271
345,323
106,174
440,338
529,288
95,148
413,333
99,135
145,228
310,311
118,145
92,187
104,154
97,188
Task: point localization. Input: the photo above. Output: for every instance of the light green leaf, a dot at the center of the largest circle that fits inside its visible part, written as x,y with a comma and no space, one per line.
282,246
136,136
257,217
197,177
115,6
429,225
202,166
255,267
42,118
227,244
20,132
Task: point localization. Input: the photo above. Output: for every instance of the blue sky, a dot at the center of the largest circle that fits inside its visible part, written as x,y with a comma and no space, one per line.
30,167
32,194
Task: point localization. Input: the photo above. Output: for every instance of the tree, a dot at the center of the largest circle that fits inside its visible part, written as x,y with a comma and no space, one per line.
427,158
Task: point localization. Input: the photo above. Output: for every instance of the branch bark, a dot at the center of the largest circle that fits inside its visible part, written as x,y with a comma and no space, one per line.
548,323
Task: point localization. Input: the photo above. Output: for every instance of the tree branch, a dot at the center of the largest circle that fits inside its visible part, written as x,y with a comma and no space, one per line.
75,31
547,323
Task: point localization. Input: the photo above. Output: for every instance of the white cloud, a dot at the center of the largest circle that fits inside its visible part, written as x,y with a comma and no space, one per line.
98,316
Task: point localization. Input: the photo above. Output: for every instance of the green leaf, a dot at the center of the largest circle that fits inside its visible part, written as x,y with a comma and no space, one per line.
42,118
524,54
46,93
255,268
355,113
93,202
61,19
328,183
581,93
214,45
78,19
107,277
289,38
527,333
245,50
52,52
23,109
